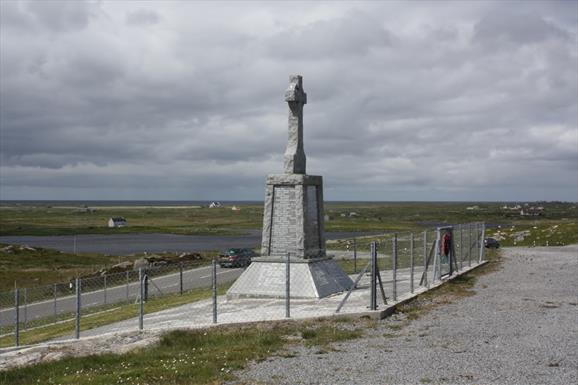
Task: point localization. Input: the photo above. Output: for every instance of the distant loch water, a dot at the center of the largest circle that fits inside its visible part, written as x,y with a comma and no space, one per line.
124,244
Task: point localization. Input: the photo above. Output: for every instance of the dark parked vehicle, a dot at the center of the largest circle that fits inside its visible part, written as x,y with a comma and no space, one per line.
491,243
236,258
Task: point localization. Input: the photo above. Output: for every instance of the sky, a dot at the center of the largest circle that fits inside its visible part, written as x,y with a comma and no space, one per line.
184,100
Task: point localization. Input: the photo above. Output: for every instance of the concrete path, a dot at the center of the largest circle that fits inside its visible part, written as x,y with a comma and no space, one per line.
200,314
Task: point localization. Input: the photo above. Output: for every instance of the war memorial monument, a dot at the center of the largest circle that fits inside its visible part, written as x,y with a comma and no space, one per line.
293,225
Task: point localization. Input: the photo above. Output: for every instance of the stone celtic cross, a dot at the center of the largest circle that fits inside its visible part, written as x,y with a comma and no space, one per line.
294,158
293,226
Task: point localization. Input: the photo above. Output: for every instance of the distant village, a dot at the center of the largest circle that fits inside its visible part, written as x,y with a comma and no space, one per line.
116,222
524,210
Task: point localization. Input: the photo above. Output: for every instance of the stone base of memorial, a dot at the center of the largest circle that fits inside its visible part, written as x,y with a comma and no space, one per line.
292,224
309,278
292,216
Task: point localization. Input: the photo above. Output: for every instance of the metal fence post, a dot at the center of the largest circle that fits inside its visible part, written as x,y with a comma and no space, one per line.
214,288
54,295
461,248
482,236
470,245
437,262
141,302
180,278
17,316
104,289
411,263
25,308
288,286
127,279
455,256
78,305
394,265
146,284
425,258
373,291
475,241
354,256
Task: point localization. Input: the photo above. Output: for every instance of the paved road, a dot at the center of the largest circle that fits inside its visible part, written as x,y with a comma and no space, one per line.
192,279
123,244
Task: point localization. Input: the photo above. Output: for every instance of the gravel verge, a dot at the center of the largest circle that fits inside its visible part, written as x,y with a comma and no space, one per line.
519,328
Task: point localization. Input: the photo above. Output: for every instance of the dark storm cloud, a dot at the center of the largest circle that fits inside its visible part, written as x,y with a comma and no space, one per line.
418,100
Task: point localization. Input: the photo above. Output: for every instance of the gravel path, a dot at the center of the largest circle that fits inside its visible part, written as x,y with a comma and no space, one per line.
521,327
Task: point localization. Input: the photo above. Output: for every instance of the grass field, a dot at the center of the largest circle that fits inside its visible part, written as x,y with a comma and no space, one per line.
557,225
54,220
26,267
342,216
31,267
542,233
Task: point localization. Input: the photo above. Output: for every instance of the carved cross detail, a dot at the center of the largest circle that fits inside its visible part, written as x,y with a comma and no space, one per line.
294,158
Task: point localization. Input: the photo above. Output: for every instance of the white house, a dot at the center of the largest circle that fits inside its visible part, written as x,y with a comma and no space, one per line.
117,222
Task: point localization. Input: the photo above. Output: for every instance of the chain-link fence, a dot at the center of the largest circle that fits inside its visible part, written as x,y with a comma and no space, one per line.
54,309
384,268
396,265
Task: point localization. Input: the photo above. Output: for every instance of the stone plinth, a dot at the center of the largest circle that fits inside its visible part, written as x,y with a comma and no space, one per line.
309,278
293,216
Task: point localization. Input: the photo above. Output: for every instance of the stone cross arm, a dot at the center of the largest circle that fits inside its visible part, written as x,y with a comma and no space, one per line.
295,91
294,158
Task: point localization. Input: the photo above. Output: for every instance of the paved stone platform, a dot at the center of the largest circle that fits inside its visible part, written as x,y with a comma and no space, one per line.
243,310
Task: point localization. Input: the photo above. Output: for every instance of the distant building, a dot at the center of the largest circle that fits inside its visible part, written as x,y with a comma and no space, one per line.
215,205
473,208
235,208
513,208
117,222
531,211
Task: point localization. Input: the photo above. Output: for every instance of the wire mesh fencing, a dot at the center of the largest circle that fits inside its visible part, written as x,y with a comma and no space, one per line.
397,265
384,268
28,315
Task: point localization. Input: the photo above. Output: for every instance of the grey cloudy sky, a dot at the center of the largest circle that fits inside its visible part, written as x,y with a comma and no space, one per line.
184,100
